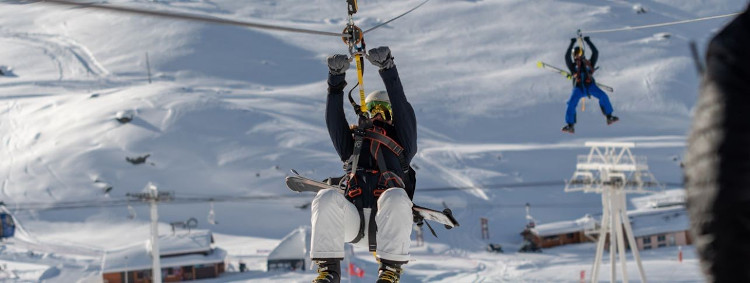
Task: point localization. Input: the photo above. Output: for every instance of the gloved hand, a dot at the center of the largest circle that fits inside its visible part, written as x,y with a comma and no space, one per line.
338,64
381,57
572,40
586,38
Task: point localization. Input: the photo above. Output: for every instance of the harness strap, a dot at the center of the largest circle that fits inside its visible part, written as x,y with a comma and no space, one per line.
372,230
386,141
589,71
397,149
358,136
361,233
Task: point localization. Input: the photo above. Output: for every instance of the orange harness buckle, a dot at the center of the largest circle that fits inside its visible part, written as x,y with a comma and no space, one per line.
354,193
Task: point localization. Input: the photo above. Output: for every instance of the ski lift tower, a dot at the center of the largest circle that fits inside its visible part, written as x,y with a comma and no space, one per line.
611,169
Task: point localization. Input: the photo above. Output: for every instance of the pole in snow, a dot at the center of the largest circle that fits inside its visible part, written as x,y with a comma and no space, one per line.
153,197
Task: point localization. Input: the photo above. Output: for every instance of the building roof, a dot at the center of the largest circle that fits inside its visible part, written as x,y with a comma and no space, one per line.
661,199
296,245
564,227
181,249
659,220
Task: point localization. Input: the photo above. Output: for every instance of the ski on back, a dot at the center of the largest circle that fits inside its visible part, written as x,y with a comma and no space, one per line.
567,74
300,183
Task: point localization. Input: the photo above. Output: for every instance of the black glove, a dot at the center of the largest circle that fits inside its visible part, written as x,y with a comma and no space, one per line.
586,38
573,40
381,57
338,64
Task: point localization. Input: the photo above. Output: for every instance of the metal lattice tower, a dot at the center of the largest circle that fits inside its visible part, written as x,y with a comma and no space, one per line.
611,169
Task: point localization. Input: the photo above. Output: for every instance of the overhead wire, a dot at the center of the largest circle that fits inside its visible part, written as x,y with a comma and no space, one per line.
215,20
661,24
201,198
399,16
192,17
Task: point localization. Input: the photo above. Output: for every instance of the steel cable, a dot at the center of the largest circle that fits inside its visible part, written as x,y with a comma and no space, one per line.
660,25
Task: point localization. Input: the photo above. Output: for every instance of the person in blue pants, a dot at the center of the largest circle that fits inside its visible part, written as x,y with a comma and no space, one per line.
582,71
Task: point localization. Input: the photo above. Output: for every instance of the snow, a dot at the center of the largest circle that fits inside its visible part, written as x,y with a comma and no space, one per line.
660,199
231,110
296,245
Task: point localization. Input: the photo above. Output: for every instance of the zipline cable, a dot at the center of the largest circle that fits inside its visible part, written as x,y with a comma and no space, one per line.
215,20
192,17
661,24
385,23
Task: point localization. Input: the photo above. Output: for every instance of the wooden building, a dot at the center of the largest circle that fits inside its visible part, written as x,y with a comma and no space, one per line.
661,227
652,228
561,233
184,256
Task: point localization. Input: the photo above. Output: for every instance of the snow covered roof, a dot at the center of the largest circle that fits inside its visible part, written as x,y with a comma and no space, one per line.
296,245
195,248
180,243
659,220
563,227
661,199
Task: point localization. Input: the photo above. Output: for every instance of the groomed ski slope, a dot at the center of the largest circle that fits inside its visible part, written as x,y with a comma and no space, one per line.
231,110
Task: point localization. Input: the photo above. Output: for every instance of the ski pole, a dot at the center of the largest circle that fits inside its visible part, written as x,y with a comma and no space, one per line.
583,106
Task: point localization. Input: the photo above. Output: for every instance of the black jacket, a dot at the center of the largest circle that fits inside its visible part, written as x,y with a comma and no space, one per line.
569,58
403,130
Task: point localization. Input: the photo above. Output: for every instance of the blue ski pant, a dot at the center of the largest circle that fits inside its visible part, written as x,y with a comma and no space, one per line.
580,92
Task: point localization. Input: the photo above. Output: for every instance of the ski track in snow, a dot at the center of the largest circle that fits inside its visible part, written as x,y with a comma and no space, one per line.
70,57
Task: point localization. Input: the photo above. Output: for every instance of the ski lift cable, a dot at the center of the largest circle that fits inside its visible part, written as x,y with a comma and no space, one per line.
661,24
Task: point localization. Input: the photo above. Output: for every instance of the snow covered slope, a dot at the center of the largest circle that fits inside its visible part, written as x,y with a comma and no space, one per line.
231,110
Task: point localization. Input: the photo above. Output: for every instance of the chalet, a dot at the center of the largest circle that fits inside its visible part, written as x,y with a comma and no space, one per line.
652,228
561,233
292,253
660,227
184,256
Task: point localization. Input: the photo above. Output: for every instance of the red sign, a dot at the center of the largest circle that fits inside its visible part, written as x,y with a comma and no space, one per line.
356,271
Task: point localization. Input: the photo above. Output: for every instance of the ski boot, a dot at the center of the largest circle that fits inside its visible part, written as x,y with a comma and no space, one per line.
389,272
569,128
329,271
611,119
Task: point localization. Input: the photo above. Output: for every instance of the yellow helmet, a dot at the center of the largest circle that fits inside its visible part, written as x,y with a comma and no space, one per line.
577,51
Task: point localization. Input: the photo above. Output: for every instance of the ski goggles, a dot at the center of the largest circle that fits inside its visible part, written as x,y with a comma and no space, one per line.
380,107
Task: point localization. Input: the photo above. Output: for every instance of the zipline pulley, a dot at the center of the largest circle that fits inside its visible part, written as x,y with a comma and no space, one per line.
355,39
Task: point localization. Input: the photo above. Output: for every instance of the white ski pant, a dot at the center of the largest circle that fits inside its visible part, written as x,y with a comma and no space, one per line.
335,221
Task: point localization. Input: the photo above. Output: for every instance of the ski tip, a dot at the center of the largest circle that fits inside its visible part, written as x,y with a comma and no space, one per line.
539,64
294,172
